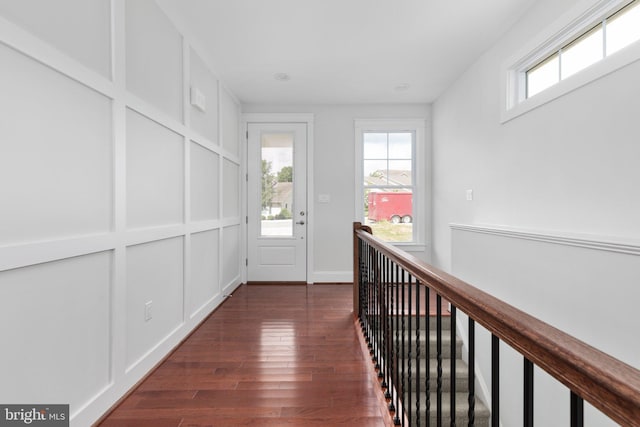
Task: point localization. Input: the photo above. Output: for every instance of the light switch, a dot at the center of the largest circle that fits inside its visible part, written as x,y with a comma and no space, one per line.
469,194
148,315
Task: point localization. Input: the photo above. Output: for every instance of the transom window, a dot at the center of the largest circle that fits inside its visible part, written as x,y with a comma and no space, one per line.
613,33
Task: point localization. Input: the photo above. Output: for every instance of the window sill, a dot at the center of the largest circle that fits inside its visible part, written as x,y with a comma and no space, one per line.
410,247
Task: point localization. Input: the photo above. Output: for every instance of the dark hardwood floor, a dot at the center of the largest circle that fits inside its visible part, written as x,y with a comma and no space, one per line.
269,356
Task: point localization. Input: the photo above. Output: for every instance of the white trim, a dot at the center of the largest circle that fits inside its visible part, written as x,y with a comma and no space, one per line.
601,243
116,240
411,247
421,161
332,277
577,20
308,119
24,42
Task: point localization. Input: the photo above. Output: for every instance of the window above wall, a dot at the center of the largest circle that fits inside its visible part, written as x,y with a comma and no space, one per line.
584,45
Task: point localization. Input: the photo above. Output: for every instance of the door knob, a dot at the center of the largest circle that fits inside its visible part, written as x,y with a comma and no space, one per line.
300,222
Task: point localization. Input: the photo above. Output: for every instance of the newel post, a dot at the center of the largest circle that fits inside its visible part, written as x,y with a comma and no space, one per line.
356,266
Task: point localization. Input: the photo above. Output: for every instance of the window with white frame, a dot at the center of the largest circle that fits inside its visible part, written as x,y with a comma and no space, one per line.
389,179
596,42
613,33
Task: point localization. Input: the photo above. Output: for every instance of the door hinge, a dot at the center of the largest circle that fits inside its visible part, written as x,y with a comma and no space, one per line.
246,262
246,177
246,220
247,135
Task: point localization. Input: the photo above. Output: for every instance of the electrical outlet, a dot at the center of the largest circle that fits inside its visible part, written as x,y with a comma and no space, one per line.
147,311
469,195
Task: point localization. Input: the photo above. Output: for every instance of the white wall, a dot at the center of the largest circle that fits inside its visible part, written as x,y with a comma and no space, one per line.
567,169
114,192
333,174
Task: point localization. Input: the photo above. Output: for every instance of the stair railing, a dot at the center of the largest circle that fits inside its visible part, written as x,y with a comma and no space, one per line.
393,288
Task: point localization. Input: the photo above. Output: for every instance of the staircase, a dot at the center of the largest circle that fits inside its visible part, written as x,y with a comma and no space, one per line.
482,413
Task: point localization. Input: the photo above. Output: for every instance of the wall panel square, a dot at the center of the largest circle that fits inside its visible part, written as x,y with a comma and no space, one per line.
231,189
230,254
55,154
205,266
205,180
204,122
84,34
154,57
229,120
55,327
155,275
155,173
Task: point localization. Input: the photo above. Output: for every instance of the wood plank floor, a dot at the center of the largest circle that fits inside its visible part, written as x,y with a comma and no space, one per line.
269,356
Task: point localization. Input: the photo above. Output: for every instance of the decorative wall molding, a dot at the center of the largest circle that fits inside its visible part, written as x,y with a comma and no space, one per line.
116,239
588,241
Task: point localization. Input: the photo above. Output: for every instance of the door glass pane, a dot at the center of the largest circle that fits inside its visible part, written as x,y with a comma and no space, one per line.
623,28
389,213
276,156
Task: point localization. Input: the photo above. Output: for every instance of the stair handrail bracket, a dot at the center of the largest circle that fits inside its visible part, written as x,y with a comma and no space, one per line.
610,385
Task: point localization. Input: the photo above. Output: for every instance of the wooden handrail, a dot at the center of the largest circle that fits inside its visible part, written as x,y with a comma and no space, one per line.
609,384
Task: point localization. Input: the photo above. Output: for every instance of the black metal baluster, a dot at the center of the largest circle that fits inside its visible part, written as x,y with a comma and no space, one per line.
409,353
577,410
472,373
376,302
364,288
382,361
372,306
439,359
452,394
427,347
365,295
396,419
391,344
418,318
495,381
387,348
528,393
403,364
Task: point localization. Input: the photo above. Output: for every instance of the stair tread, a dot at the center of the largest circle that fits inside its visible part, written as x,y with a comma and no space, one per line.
410,336
462,369
462,407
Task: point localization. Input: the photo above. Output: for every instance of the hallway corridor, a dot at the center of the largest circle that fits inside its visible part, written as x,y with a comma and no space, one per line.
269,356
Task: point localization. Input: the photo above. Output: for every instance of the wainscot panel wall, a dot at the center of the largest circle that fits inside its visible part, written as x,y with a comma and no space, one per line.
120,200
566,168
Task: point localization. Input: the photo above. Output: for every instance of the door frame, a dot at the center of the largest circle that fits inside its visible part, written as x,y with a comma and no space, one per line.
305,118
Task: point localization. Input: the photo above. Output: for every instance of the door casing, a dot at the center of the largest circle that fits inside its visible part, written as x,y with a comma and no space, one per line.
307,119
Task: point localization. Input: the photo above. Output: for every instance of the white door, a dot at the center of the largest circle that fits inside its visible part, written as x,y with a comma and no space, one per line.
277,205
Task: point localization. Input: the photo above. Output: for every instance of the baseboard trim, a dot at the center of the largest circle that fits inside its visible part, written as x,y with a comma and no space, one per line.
588,241
332,277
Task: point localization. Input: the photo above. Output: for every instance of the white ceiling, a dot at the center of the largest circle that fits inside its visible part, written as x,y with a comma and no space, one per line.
344,51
